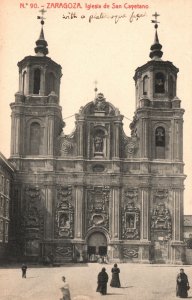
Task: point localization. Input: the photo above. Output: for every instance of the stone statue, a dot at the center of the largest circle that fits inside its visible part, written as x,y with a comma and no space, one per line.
98,143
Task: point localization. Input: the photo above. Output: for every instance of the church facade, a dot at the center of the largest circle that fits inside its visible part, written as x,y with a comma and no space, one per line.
97,192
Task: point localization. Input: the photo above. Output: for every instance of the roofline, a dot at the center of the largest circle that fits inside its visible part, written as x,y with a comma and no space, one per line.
8,164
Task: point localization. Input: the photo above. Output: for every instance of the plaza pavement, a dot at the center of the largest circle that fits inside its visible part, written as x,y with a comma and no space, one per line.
139,282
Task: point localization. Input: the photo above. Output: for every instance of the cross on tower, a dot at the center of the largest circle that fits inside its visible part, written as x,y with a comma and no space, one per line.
156,15
42,18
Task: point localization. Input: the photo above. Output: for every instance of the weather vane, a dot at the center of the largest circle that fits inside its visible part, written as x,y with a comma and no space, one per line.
42,18
95,89
155,21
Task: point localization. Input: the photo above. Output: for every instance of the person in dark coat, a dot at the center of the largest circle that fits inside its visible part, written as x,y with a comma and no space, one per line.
102,280
24,270
115,282
182,285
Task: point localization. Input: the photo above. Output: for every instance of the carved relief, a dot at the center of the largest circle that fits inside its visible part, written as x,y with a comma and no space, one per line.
161,219
99,106
64,251
33,219
130,216
131,252
130,146
100,103
66,145
161,194
64,215
98,207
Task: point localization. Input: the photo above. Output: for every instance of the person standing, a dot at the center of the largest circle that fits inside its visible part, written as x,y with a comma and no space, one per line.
182,285
24,270
115,281
102,280
65,290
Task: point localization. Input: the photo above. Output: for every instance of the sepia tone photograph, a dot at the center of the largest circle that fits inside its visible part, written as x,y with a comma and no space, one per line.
95,150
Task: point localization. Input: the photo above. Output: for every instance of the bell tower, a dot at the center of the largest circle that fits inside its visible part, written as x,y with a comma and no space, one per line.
36,114
157,107
158,125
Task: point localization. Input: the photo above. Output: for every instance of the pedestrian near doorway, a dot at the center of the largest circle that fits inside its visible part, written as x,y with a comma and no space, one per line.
24,270
182,285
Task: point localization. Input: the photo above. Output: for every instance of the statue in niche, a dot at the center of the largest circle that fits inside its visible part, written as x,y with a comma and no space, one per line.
98,143
130,221
64,221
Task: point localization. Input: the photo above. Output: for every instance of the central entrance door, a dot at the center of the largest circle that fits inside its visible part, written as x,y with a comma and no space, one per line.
97,246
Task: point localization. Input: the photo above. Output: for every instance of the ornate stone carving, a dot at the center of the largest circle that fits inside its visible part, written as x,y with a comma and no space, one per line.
64,251
66,145
99,107
33,219
161,194
100,103
64,215
130,216
130,252
130,194
98,207
129,146
161,219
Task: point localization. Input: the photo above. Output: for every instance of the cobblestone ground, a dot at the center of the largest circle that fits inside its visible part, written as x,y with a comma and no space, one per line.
139,282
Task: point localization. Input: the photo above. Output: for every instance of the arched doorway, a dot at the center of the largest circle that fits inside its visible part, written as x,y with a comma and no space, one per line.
96,246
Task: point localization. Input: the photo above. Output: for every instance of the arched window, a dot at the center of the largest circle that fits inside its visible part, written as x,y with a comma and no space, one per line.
35,138
159,83
51,83
36,82
145,85
160,142
24,82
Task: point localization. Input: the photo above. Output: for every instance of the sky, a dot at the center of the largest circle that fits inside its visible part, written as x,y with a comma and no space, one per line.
107,50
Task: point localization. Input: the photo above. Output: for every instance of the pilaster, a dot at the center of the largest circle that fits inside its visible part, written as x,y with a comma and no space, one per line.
79,212
115,213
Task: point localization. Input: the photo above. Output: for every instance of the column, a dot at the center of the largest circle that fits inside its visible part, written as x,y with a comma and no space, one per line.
42,82
27,89
115,213
145,137
48,230
78,212
177,214
177,245
12,134
80,138
116,139
50,135
145,214
177,139
15,134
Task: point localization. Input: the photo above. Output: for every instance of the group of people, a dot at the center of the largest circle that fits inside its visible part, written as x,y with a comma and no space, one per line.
102,279
182,283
